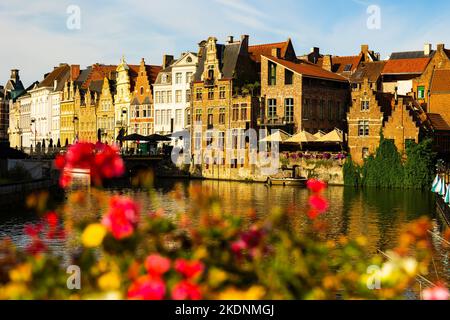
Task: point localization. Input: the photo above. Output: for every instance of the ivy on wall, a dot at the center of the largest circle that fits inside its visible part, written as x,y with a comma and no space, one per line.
386,169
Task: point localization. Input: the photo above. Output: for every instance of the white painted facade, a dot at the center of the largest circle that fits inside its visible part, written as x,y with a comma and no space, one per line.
41,115
25,120
172,94
54,126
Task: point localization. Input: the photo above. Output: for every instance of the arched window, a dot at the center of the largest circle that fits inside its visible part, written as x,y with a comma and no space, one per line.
142,90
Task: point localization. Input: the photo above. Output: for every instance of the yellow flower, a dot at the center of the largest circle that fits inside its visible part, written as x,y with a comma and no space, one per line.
22,273
93,235
14,291
253,293
217,277
109,281
410,265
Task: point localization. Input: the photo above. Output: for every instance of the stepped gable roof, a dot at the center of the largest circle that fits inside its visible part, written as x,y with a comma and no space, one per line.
152,74
228,56
308,69
406,66
370,70
440,81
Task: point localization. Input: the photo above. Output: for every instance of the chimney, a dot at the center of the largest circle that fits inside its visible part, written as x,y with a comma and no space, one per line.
327,63
230,39
167,60
74,71
244,42
440,47
365,51
427,49
15,75
314,55
276,52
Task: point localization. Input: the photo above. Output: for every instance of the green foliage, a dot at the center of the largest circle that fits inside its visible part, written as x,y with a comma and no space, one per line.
419,167
386,170
352,173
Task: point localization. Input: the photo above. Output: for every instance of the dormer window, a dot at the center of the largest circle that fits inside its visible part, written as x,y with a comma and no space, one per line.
210,74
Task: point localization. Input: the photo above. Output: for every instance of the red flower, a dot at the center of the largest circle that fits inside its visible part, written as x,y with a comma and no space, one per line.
157,265
189,269
186,290
52,219
147,288
439,292
316,186
36,246
313,213
238,247
122,217
318,203
101,160
33,230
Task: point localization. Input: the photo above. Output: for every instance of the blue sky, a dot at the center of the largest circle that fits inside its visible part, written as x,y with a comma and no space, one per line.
35,36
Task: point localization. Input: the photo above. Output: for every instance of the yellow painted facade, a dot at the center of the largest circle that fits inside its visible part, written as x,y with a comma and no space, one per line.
105,112
88,117
69,116
122,99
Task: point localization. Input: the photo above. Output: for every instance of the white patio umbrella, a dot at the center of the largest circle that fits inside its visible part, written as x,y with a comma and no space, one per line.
435,184
335,136
447,195
279,136
319,134
302,137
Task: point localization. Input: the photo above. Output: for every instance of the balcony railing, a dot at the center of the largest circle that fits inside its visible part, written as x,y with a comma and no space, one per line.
273,121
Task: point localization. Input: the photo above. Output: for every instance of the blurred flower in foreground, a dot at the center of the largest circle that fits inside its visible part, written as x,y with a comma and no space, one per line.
147,288
102,161
186,290
439,292
93,235
157,265
122,217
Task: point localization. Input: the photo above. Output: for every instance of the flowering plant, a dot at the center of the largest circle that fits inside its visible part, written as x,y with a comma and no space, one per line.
203,253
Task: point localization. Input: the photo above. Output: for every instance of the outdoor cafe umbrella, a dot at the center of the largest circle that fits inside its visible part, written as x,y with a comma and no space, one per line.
302,137
319,134
157,138
279,136
133,137
335,136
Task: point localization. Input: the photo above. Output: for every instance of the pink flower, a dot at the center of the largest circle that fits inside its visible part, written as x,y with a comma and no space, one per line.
147,288
439,292
316,186
186,290
189,269
122,217
318,203
238,247
157,265
52,219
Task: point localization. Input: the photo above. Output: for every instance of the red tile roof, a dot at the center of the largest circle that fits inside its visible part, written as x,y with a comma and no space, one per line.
152,74
339,63
257,51
308,69
406,66
98,72
440,81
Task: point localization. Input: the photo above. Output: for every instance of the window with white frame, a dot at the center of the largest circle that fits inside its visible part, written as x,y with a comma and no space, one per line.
289,110
178,77
178,116
178,96
189,77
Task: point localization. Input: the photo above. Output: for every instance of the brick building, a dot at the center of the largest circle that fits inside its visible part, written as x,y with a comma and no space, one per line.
399,118
142,117
221,100
298,95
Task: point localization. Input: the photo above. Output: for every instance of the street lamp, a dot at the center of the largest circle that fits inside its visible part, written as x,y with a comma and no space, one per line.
75,119
33,120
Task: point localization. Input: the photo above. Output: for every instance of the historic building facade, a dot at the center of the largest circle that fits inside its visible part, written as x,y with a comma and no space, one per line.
220,102
300,96
172,93
8,95
142,115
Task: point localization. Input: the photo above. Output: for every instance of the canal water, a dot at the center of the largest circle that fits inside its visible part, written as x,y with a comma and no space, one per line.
377,214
